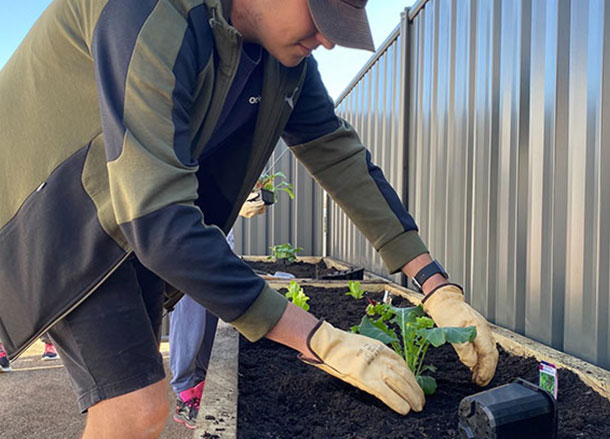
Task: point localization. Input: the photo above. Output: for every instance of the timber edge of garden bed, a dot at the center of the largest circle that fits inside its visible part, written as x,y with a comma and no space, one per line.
218,415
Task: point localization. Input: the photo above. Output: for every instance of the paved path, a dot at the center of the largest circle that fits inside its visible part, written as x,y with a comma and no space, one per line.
36,401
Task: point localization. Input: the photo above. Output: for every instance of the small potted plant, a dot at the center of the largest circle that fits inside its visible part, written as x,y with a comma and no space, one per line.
269,188
284,253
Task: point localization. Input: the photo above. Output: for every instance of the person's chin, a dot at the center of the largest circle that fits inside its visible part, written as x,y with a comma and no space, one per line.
291,61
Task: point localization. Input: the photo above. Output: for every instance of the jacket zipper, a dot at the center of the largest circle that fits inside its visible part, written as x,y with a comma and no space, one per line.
219,103
73,307
282,99
277,111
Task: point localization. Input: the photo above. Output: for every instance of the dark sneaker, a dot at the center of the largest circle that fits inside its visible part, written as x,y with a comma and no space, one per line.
187,406
187,411
5,365
49,352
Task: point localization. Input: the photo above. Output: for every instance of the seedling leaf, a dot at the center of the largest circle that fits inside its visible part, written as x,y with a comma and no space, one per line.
369,329
297,296
355,290
435,336
460,335
404,316
427,383
284,251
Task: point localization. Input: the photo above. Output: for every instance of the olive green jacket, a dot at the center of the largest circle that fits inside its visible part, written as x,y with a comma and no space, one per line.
105,109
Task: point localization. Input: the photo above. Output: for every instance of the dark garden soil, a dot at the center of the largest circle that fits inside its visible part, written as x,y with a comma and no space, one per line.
299,268
281,397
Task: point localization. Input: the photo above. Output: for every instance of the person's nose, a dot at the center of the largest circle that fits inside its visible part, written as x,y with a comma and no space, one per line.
321,39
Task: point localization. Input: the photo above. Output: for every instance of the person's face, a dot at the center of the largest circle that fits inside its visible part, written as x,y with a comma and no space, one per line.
286,30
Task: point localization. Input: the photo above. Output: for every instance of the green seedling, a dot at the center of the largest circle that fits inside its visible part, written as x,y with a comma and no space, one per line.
417,332
355,290
284,252
297,296
267,182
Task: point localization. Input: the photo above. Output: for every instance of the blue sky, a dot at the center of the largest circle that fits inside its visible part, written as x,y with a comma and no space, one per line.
337,66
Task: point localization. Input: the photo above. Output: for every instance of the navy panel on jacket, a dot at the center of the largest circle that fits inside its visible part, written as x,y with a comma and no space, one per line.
196,49
314,113
114,38
230,157
243,99
390,195
49,227
196,259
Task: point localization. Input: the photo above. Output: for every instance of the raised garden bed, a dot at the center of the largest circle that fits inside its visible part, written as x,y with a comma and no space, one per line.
280,397
305,267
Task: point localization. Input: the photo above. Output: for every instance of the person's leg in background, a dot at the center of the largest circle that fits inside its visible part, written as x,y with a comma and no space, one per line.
191,337
110,348
50,353
203,357
5,365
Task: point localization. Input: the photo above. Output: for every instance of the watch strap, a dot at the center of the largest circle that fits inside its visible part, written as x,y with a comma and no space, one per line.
428,271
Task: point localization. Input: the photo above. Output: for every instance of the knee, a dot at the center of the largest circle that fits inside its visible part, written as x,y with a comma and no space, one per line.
153,415
138,415
147,418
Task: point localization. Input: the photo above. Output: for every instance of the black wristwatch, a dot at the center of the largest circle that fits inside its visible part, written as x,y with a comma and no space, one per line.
429,270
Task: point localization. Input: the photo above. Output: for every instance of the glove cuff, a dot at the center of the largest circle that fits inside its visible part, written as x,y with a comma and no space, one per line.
317,360
440,287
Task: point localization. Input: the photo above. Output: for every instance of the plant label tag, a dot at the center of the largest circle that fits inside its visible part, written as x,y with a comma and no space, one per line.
548,378
387,297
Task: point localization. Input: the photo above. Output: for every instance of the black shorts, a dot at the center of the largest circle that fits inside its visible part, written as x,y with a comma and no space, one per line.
110,343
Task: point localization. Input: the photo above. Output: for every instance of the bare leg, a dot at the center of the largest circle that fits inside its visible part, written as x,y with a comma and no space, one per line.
141,414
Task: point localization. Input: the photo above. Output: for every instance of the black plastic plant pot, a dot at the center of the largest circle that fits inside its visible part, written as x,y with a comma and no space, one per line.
268,197
517,410
353,274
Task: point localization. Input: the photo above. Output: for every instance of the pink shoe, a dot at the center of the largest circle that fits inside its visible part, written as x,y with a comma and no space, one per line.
49,352
5,365
187,406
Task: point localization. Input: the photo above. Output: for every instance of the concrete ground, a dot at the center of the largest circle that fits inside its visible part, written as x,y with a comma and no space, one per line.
36,401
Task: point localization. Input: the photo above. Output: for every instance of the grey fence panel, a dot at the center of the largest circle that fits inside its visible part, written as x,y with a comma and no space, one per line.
509,160
374,105
587,264
299,222
491,119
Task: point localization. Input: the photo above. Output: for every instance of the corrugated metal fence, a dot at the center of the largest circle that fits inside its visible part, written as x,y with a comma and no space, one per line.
376,107
505,109
509,160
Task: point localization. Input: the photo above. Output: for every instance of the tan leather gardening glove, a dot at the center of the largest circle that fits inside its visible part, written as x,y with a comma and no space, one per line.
447,307
253,206
367,364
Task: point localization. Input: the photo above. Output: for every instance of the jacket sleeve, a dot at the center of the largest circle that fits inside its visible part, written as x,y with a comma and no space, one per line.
147,57
332,152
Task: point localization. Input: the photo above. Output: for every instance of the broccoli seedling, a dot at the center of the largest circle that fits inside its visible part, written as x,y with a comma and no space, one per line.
418,333
297,296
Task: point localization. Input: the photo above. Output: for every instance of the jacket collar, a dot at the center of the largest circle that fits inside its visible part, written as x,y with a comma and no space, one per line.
220,11
227,38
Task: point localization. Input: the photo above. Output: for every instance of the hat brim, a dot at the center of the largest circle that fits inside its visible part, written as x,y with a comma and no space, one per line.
342,23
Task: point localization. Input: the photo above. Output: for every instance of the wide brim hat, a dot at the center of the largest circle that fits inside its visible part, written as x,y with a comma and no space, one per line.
344,22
